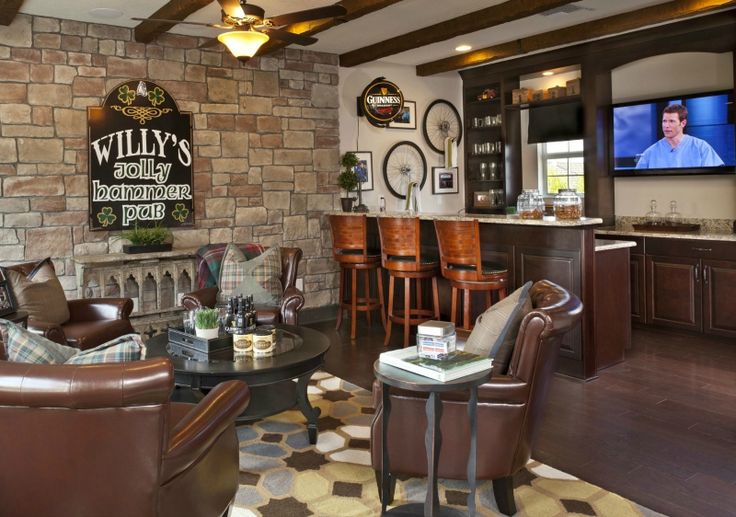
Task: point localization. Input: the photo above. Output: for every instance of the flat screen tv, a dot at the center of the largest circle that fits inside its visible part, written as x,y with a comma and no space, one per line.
686,134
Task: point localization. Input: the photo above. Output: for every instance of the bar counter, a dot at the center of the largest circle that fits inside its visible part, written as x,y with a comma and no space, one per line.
531,250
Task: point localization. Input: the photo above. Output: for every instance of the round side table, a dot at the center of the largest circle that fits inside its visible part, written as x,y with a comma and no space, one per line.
398,378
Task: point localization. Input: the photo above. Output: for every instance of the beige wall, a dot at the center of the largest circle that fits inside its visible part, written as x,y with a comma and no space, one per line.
681,73
356,131
266,141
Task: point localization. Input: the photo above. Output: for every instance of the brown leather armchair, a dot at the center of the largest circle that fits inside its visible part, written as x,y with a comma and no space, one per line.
105,440
292,299
92,321
509,407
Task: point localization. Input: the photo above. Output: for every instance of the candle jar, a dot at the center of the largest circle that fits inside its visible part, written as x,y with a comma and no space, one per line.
568,204
530,204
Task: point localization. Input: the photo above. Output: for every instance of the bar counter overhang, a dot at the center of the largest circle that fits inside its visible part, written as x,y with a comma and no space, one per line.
561,251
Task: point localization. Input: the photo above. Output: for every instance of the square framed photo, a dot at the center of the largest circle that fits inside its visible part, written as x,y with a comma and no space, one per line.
407,119
364,169
444,181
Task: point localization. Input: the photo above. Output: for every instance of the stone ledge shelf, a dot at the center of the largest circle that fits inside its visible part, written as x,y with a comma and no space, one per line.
483,218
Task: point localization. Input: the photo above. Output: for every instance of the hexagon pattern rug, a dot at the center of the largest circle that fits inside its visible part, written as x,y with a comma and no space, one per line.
282,475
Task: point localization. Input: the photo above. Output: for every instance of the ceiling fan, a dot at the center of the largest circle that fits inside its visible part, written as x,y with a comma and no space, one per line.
248,27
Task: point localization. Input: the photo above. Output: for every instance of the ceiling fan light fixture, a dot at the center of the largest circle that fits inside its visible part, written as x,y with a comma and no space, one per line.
463,48
243,44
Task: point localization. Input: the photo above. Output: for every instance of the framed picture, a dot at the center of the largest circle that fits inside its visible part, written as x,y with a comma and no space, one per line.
444,181
7,302
407,119
364,169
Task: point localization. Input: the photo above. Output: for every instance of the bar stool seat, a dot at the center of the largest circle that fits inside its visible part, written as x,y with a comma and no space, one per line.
401,256
462,266
350,251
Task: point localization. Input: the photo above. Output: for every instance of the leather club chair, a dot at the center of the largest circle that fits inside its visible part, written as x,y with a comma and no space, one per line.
92,321
509,407
292,299
104,439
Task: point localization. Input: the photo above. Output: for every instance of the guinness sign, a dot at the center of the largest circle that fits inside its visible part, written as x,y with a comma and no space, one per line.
140,159
381,102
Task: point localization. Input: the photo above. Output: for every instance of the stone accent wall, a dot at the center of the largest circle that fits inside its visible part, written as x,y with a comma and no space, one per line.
266,142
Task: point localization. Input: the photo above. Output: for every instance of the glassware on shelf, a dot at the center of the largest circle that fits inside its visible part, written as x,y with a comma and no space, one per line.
495,173
673,216
530,204
496,197
653,217
568,204
483,171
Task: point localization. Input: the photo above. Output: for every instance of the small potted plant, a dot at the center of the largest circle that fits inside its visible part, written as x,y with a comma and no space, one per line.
207,323
348,180
146,239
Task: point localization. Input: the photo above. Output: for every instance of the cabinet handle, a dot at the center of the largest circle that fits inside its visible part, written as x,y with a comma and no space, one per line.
702,249
705,274
696,272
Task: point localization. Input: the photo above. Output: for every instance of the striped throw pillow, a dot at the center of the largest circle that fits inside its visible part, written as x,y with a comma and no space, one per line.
23,346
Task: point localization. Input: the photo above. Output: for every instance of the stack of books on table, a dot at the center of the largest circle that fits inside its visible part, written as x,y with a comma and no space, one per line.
458,364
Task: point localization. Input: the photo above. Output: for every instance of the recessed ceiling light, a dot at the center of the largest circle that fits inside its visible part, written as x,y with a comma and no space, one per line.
463,48
105,12
548,73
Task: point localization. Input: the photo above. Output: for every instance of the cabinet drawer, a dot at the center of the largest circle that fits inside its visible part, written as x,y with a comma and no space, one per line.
691,248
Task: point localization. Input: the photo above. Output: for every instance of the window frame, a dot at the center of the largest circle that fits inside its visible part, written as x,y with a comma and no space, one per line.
543,156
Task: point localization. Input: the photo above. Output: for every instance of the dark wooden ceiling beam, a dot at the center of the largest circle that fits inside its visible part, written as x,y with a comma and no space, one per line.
489,17
8,10
661,13
355,9
145,32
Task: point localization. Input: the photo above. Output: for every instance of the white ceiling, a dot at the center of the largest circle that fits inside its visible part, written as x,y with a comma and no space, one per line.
394,20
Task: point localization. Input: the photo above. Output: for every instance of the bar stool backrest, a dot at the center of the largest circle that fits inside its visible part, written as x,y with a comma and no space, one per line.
459,247
400,243
349,238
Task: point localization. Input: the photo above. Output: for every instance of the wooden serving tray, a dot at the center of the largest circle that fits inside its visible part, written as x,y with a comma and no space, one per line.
667,227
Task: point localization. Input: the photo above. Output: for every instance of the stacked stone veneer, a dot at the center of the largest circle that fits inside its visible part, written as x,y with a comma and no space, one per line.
266,142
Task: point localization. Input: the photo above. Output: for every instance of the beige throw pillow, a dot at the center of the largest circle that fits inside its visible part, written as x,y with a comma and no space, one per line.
40,294
495,331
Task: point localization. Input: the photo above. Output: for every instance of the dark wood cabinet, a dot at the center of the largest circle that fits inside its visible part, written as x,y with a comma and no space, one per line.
638,288
719,297
673,292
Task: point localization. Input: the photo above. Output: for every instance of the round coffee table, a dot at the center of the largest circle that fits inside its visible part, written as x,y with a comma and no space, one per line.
270,379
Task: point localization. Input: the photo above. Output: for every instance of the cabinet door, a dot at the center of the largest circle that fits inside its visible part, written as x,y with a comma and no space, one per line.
638,289
673,292
719,297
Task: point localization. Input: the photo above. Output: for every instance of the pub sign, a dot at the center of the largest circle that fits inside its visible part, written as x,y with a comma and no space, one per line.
381,102
140,159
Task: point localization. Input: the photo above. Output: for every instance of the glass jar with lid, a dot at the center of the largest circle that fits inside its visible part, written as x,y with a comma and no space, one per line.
530,204
568,204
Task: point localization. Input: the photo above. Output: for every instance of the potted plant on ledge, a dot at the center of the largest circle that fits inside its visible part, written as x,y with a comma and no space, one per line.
348,180
146,239
207,323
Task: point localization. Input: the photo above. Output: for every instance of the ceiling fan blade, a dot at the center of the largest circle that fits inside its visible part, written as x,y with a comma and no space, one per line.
231,7
289,37
166,20
329,11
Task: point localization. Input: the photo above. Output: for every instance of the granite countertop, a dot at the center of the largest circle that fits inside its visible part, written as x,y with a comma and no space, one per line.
483,218
604,245
628,231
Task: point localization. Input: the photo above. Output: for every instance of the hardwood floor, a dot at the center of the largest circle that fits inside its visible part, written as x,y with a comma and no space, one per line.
659,428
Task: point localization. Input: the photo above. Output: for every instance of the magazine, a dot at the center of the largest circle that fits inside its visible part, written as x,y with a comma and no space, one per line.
458,364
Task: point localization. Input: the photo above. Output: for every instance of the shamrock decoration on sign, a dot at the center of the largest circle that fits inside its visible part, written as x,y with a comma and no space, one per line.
106,217
156,96
180,212
126,95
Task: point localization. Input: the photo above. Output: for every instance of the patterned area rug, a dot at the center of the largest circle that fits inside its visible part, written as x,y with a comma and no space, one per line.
282,475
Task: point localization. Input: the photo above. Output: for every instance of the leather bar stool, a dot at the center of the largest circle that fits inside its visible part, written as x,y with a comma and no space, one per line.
401,256
350,250
461,264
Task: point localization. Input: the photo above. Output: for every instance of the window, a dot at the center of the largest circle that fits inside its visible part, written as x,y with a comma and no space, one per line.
561,166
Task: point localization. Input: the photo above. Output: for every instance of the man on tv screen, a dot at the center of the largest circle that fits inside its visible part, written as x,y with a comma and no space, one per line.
676,149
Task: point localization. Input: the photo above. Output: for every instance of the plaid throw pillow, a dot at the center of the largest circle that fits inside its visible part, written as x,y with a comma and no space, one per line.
262,278
123,349
23,346
231,271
